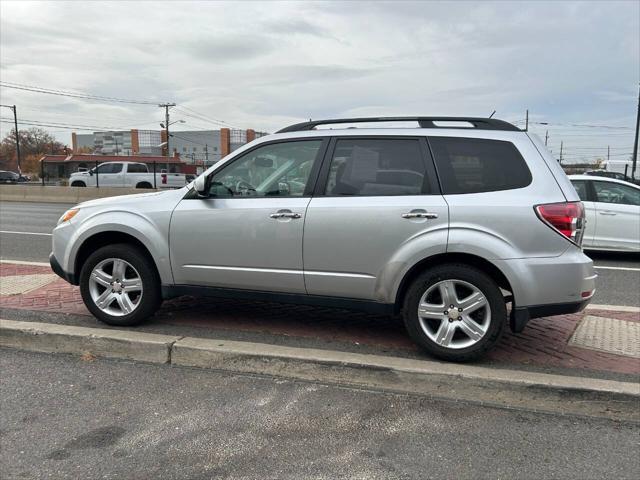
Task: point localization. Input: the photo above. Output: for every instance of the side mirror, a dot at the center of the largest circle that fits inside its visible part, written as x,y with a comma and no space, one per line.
200,185
91,173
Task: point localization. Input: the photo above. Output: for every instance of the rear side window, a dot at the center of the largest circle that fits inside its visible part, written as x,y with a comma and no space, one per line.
581,189
376,167
137,168
473,165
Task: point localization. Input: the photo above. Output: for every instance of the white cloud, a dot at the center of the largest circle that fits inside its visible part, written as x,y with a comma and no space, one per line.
264,64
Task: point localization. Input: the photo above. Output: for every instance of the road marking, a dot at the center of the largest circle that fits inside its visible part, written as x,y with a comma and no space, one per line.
26,233
23,262
629,269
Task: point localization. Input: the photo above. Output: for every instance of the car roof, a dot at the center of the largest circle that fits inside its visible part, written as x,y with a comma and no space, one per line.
595,178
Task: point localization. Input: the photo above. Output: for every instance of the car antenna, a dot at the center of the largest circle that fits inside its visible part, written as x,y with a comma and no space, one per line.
492,114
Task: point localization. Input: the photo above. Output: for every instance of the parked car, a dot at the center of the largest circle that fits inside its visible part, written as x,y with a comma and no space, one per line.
126,174
612,213
445,225
609,174
12,177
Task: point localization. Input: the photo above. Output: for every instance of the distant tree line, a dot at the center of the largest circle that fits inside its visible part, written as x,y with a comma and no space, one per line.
34,143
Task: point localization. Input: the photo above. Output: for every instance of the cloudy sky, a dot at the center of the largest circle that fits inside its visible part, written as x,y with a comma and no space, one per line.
264,65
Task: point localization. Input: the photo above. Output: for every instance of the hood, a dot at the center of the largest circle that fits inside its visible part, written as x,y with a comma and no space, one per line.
137,198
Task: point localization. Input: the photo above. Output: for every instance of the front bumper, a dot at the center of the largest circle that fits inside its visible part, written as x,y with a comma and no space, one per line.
57,269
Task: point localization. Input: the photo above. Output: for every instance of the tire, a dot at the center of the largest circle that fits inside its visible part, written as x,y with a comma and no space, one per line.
143,185
474,332
78,184
139,304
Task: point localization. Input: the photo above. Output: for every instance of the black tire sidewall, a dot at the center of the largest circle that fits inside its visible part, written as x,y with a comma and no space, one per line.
468,274
151,296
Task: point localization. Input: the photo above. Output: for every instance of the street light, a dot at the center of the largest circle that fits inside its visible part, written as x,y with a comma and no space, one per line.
171,123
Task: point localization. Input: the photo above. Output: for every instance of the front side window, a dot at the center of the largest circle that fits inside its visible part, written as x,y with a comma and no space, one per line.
474,165
280,169
376,167
109,168
610,192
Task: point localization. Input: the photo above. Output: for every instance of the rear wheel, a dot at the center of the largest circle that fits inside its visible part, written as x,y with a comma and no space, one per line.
455,312
143,185
119,285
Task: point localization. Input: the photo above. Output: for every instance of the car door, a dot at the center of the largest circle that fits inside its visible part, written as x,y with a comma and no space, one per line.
110,175
583,188
375,195
248,233
618,212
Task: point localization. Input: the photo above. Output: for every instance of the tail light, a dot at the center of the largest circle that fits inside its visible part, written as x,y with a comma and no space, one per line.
163,176
566,218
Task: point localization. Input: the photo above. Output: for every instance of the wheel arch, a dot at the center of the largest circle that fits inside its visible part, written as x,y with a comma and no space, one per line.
444,258
101,239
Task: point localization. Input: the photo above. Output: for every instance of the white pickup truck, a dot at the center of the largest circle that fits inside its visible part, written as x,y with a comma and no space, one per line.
126,174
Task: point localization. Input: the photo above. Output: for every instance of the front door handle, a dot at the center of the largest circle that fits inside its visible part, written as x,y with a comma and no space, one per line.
285,214
608,212
419,215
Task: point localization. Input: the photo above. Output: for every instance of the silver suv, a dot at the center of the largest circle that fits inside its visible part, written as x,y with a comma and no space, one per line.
461,224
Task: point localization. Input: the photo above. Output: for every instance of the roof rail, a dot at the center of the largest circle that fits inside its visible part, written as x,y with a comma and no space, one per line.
424,122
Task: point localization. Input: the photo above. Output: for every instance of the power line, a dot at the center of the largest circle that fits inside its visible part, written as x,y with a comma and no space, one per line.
200,116
64,93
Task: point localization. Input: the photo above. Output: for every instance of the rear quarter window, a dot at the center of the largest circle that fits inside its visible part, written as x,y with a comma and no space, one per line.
474,165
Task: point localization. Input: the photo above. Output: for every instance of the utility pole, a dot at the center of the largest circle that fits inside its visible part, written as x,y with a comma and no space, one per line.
526,122
546,138
206,154
634,158
15,121
608,152
116,140
561,152
166,119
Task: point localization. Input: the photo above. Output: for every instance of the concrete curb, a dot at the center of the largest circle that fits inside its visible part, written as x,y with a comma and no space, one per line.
51,338
246,357
231,355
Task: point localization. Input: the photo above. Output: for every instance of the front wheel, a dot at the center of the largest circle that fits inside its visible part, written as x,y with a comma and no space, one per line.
455,312
119,285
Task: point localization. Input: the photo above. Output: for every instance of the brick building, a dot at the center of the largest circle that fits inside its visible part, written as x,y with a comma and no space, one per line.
199,147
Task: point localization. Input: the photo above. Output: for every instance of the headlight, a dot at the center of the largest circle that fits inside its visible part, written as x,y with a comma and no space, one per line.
68,215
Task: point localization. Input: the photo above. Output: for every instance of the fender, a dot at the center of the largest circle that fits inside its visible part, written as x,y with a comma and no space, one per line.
151,234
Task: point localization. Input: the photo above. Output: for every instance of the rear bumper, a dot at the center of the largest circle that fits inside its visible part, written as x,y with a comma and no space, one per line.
57,269
521,315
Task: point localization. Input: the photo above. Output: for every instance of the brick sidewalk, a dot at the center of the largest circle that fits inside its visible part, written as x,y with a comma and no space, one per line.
544,342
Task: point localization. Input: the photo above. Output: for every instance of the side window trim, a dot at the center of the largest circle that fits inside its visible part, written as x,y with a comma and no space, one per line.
432,185
313,175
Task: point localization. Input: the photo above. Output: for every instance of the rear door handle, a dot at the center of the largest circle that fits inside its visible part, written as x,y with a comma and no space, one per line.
419,215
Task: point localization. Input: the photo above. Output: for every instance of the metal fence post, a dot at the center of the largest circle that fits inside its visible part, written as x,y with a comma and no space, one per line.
42,171
154,175
97,179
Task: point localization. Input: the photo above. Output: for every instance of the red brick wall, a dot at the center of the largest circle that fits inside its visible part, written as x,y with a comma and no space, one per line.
251,135
135,142
225,141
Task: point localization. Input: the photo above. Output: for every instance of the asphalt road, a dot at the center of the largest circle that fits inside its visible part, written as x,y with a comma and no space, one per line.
25,235
62,417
